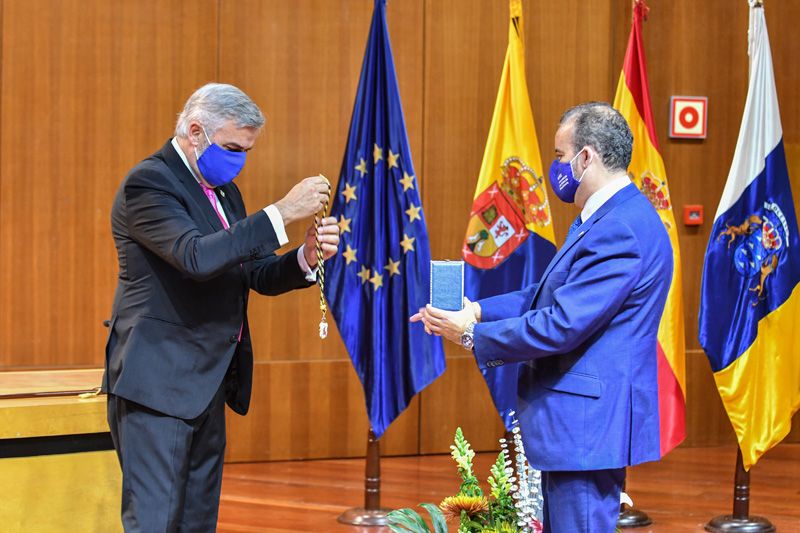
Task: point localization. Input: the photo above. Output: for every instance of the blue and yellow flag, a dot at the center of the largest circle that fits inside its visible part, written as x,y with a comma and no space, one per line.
509,240
750,300
383,275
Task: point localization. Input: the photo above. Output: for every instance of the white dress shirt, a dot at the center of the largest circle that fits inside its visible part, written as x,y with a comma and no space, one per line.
272,212
596,200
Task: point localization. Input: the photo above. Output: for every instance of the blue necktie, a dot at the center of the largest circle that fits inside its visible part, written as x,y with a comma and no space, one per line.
575,225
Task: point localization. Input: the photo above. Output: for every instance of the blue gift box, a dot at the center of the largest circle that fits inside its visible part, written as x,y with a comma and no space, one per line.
447,285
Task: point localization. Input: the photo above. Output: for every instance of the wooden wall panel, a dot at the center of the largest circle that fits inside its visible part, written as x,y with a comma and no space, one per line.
311,410
301,63
697,170
707,424
465,45
459,398
708,57
88,89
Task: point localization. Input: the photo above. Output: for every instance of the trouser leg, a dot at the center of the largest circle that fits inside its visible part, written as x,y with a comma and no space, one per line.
582,502
205,470
153,451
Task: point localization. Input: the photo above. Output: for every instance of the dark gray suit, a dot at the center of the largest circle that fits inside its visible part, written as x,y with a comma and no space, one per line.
173,355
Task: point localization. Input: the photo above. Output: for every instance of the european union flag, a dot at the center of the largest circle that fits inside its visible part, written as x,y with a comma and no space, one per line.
382,276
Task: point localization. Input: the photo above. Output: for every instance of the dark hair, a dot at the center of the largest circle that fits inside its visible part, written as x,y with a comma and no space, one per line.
602,127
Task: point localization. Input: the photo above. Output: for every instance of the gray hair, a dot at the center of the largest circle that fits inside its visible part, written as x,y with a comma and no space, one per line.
215,103
602,127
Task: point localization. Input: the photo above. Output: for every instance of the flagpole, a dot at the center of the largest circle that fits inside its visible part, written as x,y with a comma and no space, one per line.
740,521
372,514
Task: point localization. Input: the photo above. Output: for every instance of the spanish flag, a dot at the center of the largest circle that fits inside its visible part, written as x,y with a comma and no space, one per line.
647,172
509,240
750,298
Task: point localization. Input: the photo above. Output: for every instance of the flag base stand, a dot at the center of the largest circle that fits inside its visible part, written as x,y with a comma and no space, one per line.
630,517
364,517
372,514
730,524
740,521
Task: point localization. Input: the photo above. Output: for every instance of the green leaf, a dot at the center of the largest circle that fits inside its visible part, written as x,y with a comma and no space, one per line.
474,524
437,518
406,520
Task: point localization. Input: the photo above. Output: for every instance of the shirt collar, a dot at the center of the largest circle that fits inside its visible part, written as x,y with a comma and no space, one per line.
183,158
596,200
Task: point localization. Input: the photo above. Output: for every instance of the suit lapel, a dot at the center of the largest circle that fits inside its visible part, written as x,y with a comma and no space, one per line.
623,194
195,191
225,195
234,211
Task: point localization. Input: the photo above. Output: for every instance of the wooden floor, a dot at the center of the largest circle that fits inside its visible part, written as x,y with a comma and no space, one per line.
680,493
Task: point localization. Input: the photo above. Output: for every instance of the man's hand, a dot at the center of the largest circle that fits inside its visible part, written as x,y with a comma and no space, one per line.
448,324
328,238
304,200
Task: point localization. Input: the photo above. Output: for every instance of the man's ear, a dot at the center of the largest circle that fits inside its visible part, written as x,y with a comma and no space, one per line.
589,156
196,136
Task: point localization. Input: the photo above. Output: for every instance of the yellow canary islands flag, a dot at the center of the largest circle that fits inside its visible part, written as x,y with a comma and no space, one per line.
509,239
648,173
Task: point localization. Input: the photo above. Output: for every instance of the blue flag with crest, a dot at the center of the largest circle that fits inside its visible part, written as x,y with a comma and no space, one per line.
382,276
750,293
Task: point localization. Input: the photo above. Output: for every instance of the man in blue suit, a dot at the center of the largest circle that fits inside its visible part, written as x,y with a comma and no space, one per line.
586,333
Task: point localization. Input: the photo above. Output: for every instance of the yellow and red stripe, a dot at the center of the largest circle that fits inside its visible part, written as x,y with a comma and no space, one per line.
647,171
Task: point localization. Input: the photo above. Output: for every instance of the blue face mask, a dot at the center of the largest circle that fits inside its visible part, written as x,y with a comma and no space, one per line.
218,165
563,181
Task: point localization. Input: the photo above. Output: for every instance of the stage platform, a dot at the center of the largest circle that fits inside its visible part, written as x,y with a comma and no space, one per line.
58,470
681,493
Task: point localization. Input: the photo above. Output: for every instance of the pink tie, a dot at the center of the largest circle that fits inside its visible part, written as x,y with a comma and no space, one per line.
213,199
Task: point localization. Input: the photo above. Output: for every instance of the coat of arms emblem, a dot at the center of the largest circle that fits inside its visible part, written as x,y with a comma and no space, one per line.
759,242
503,214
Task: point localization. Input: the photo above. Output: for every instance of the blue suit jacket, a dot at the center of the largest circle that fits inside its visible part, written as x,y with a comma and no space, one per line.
586,335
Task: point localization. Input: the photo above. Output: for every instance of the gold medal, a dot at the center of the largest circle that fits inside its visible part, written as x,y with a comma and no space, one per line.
323,323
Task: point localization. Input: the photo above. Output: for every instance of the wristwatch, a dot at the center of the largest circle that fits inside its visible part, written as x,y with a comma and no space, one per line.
467,338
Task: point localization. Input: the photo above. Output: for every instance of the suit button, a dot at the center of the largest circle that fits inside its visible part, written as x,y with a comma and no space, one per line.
234,339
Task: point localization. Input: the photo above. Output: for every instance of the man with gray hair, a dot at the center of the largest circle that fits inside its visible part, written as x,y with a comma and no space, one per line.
585,336
179,343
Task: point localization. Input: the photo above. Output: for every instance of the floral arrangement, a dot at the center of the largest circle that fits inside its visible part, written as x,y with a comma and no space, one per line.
514,503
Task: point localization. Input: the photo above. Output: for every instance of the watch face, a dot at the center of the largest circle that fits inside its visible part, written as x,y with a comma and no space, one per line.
466,341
